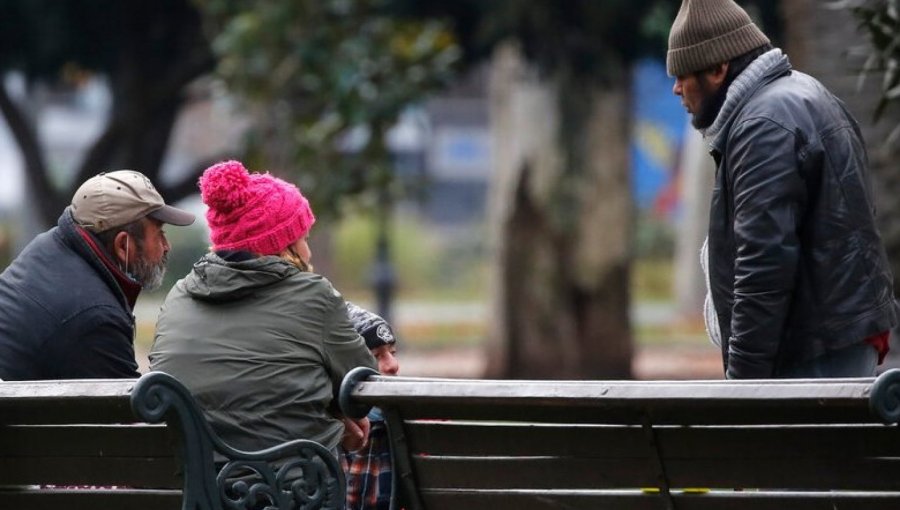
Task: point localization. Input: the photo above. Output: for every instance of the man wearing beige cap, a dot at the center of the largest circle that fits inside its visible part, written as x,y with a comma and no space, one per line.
66,301
798,277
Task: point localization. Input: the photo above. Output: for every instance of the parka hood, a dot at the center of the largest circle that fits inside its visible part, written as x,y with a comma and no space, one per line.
215,279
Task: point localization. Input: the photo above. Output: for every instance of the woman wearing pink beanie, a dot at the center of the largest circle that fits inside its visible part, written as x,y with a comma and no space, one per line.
261,341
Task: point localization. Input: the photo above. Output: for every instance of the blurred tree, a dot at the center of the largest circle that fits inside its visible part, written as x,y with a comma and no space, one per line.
326,80
562,207
880,19
149,52
563,210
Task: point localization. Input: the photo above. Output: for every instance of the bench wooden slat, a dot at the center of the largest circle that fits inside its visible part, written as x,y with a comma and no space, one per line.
581,412
119,499
524,439
511,439
149,472
80,440
593,444
777,442
786,473
97,444
625,402
633,500
76,401
559,472
532,472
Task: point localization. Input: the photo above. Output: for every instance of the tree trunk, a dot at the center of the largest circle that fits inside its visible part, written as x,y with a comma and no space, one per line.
561,213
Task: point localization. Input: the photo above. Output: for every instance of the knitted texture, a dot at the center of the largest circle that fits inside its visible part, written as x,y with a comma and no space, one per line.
371,326
254,212
709,32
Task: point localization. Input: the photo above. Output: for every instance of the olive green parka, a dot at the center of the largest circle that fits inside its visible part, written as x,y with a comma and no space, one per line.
263,348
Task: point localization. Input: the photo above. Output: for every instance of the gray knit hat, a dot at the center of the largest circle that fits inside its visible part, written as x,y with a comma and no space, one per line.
708,32
374,330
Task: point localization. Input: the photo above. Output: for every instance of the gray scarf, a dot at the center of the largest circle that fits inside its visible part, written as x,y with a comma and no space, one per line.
741,85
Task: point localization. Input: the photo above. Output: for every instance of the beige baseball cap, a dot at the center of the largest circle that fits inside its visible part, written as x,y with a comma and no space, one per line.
112,199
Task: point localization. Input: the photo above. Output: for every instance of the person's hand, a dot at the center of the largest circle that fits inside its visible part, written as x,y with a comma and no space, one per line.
356,434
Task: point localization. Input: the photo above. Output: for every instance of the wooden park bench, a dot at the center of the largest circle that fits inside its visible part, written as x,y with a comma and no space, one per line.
144,444
697,445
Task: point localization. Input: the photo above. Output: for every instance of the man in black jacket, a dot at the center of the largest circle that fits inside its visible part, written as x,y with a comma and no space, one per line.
797,272
66,301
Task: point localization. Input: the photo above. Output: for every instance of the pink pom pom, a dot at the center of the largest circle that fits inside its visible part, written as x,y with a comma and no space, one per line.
223,186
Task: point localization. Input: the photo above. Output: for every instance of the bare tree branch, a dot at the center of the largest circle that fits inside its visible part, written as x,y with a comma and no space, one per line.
35,167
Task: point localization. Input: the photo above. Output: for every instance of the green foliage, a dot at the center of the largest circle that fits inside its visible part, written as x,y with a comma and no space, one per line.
328,78
652,280
880,19
588,38
654,238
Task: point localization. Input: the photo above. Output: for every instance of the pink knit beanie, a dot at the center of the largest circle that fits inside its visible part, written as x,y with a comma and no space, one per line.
255,212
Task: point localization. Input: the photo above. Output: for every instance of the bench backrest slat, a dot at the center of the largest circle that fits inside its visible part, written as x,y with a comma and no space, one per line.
630,500
618,441
535,472
526,439
111,440
602,473
151,472
138,455
639,444
122,499
72,440
56,402
625,402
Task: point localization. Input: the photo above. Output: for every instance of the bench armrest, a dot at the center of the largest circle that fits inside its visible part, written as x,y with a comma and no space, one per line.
350,407
291,475
885,399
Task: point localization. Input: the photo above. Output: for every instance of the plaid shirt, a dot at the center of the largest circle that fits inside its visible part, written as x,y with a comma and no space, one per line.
368,470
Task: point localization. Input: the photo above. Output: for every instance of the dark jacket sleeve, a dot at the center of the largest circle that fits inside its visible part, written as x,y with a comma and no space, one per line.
103,348
769,197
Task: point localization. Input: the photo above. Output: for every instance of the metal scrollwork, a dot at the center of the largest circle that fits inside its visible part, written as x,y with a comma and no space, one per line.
298,475
306,479
885,398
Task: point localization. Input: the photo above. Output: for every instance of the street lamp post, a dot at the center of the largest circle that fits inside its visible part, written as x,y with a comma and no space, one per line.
384,277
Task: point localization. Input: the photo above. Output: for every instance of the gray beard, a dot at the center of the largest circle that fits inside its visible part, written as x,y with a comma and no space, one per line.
150,276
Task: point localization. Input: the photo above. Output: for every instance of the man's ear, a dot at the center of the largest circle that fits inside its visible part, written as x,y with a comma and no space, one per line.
716,75
122,246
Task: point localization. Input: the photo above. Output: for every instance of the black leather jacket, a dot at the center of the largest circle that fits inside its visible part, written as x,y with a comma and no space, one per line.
797,266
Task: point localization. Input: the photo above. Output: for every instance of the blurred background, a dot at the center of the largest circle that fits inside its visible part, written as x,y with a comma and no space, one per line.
511,183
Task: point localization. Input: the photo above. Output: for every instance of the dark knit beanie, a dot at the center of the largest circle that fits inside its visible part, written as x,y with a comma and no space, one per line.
709,32
374,330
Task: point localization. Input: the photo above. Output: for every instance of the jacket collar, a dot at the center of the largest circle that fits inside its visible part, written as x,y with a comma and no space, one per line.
764,69
130,288
86,245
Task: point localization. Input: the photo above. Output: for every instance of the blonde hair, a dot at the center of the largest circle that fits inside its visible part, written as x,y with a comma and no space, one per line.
291,256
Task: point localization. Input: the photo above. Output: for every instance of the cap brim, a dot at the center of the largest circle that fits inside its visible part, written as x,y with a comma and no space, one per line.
172,216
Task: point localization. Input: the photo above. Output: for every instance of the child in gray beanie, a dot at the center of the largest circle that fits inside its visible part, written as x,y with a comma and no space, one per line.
368,470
